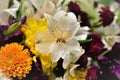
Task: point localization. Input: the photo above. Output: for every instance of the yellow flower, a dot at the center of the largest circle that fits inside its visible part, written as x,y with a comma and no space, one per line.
14,61
30,30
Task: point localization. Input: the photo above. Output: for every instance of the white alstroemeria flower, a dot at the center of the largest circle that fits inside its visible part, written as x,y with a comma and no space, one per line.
59,39
5,12
109,35
3,77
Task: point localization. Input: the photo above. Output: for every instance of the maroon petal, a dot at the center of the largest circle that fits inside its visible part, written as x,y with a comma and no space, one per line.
83,60
106,15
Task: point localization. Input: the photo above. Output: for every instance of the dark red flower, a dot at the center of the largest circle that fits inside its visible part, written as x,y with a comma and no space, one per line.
114,54
95,47
36,73
92,73
73,7
2,28
106,15
83,60
58,70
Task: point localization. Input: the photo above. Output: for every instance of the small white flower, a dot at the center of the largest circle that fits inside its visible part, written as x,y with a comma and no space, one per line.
5,12
109,35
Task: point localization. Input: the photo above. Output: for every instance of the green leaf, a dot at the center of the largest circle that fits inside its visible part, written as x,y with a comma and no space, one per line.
85,41
105,52
13,28
118,17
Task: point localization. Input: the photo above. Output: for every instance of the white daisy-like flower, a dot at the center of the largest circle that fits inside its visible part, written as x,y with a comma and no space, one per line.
59,39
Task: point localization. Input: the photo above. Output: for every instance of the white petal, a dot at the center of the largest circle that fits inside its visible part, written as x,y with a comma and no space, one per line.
29,11
75,51
72,70
4,4
81,37
89,61
57,52
52,23
109,31
43,42
64,18
73,44
37,3
109,41
65,77
13,9
73,28
82,33
71,58
59,78
48,6
67,60
4,18
16,4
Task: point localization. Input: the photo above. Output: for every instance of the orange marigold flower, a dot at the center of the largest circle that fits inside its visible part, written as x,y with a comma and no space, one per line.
14,61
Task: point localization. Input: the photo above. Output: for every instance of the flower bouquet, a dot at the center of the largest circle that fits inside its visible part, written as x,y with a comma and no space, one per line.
59,40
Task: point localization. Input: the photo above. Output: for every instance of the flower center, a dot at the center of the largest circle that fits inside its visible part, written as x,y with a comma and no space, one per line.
10,59
60,40
61,35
